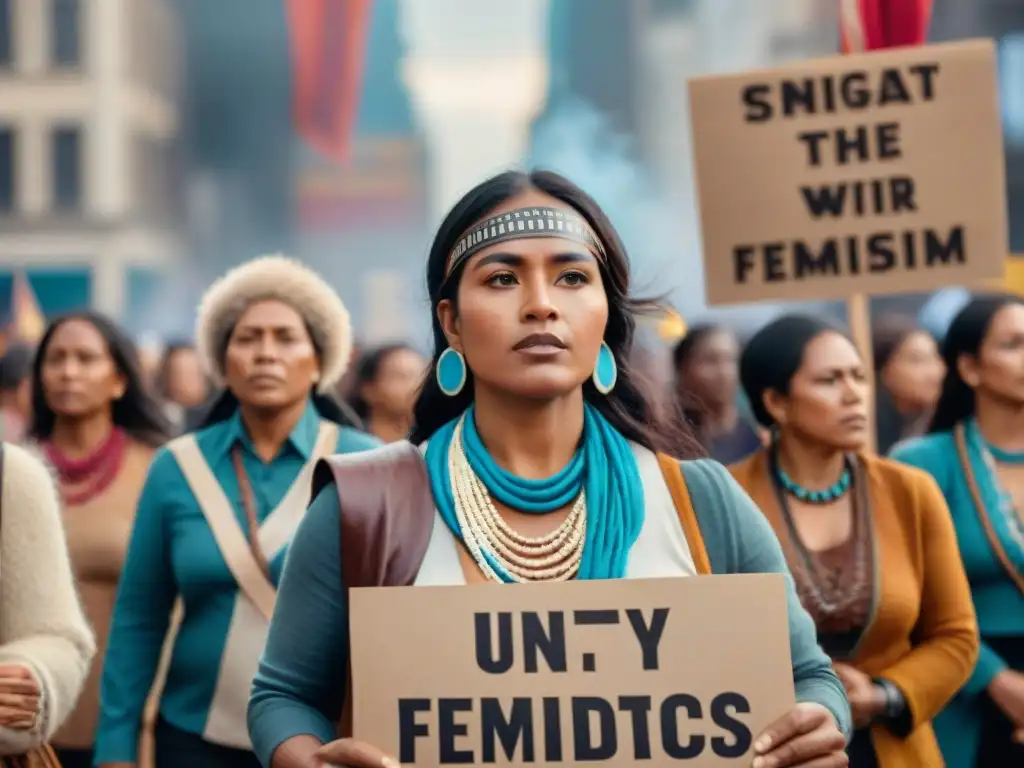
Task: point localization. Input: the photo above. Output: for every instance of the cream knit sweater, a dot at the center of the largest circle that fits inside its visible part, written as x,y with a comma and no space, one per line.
41,622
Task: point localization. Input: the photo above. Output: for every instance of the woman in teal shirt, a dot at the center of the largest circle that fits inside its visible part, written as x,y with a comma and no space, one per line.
975,450
217,513
541,462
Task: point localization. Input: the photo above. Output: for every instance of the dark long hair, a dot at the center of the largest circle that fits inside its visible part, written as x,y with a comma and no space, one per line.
691,407
136,412
630,407
965,336
367,369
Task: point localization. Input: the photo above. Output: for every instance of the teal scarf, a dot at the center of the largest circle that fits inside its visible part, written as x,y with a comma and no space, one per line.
604,465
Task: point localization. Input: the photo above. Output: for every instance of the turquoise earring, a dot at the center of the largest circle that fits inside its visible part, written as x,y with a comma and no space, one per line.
451,372
606,372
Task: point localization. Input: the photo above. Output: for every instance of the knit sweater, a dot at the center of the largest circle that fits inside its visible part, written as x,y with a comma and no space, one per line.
42,626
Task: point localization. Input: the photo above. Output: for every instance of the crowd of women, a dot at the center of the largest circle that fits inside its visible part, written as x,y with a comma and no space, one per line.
176,560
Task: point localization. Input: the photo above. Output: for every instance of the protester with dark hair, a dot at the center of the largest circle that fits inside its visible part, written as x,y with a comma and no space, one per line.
535,428
386,382
707,387
908,375
975,450
15,391
181,384
99,427
218,511
869,542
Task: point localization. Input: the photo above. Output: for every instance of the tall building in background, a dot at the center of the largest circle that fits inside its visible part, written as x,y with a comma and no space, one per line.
89,152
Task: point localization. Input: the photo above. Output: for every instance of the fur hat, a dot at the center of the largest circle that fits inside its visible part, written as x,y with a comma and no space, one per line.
282,279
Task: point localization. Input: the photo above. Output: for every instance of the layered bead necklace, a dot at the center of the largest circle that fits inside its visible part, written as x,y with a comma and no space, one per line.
601,485
501,552
82,480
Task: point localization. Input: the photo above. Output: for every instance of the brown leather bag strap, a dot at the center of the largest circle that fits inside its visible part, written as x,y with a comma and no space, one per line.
673,474
991,534
249,505
387,516
387,513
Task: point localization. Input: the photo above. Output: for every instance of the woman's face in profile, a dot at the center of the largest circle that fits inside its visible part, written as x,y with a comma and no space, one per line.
270,360
531,313
827,400
998,368
78,374
913,375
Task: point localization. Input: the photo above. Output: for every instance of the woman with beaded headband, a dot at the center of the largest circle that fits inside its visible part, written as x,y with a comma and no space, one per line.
975,450
869,542
540,462
217,513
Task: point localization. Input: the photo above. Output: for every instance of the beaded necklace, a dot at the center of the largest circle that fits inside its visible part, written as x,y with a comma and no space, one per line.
82,480
825,597
601,482
826,496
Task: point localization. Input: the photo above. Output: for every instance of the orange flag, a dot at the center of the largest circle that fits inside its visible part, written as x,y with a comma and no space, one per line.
328,42
27,319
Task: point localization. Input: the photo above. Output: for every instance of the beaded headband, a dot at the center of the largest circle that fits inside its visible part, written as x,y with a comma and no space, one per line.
521,223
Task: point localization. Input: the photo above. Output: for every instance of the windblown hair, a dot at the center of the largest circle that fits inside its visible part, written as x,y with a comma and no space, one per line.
282,279
629,407
965,336
137,412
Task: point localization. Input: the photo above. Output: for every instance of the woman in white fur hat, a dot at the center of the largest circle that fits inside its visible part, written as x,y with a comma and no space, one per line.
45,641
217,513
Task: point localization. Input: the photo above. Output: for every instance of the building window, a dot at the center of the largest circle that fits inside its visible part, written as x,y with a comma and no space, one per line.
6,20
8,158
66,33
67,168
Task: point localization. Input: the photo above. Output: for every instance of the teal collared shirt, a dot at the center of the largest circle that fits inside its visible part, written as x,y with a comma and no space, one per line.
172,552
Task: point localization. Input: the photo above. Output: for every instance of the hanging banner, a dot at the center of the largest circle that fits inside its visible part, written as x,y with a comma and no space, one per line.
622,672
328,44
880,172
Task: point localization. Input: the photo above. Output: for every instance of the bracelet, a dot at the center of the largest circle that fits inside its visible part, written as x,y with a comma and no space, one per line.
895,703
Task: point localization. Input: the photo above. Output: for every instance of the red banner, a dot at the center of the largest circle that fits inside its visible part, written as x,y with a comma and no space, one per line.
328,43
867,25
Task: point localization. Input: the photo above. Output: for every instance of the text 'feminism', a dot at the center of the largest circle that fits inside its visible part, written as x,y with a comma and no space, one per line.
571,726
876,138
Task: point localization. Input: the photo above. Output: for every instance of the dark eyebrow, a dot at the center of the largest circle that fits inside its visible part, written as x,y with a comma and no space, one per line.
514,260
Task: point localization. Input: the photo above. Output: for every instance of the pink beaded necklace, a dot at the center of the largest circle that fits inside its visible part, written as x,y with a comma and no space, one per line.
82,480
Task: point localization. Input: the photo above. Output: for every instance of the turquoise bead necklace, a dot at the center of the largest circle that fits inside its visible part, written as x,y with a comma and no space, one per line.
1003,456
825,496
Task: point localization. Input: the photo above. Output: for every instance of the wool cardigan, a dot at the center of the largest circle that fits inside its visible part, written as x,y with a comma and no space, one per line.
42,626
923,635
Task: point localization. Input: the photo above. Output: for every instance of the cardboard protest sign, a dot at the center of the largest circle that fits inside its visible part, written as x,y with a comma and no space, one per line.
879,173
577,673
